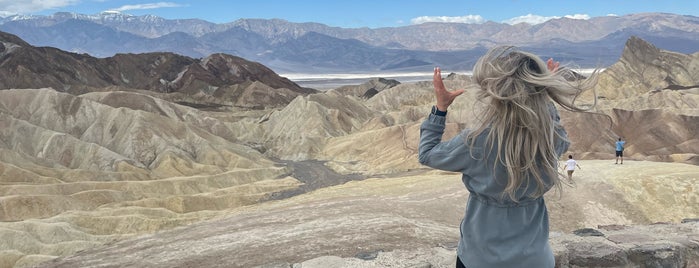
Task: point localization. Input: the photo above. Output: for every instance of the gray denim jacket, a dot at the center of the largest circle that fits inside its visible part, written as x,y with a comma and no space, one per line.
496,231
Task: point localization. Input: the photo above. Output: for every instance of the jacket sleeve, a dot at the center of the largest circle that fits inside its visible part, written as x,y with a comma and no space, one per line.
452,155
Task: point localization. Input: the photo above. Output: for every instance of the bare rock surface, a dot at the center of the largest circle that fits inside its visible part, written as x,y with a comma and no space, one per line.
409,220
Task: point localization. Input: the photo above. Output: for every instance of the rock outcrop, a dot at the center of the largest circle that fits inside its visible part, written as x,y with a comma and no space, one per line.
650,97
367,89
658,245
644,68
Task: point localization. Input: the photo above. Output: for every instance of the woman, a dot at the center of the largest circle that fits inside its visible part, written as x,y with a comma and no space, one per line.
509,162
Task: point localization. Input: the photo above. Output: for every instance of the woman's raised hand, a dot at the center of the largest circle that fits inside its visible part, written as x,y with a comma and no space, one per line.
552,65
444,97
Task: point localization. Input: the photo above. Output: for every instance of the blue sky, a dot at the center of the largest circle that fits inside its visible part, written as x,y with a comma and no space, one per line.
359,13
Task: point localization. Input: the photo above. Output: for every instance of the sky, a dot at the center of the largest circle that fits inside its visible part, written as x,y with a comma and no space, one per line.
358,13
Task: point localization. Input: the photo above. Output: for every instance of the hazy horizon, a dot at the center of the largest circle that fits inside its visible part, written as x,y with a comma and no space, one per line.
334,80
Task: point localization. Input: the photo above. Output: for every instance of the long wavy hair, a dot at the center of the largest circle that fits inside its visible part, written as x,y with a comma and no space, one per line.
519,91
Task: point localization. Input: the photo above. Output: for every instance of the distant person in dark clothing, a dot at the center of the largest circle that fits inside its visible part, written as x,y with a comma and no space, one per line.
620,151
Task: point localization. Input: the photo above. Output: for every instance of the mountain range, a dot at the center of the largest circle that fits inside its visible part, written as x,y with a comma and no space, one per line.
316,48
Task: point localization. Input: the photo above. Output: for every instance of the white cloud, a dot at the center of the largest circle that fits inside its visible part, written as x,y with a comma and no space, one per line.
536,19
146,6
29,6
529,18
474,19
578,16
4,14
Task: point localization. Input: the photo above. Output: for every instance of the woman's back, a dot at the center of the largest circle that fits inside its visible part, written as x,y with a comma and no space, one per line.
509,162
497,231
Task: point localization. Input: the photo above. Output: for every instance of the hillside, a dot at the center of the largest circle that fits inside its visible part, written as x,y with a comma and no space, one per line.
220,78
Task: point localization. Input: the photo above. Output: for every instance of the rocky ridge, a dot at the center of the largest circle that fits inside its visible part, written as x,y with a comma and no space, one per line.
221,78
643,68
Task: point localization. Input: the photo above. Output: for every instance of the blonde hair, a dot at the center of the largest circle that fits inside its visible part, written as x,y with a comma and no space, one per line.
519,90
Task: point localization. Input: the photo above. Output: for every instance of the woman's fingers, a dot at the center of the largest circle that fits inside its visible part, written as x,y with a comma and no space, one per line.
437,81
552,65
444,97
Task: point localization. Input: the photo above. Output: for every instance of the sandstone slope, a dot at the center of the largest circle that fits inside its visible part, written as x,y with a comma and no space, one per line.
75,173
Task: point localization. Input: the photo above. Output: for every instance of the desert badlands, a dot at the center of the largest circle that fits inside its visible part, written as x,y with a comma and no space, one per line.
252,176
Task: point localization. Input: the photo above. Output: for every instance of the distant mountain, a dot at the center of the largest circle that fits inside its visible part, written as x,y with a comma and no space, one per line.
296,47
147,25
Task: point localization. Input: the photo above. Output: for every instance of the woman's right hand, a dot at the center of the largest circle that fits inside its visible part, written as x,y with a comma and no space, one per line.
444,97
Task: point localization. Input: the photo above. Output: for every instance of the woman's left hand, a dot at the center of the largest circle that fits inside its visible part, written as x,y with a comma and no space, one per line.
552,65
444,97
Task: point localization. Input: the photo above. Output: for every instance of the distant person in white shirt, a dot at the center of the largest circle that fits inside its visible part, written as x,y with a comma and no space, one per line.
570,167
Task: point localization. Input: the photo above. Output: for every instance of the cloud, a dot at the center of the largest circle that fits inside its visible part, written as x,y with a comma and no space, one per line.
474,19
536,19
578,16
29,6
145,6
477,19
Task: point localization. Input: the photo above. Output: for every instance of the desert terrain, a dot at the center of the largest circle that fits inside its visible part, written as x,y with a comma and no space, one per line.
416,213
248,175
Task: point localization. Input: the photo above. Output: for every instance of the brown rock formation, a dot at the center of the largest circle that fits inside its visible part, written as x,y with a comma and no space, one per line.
650,97
229,79
644,68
